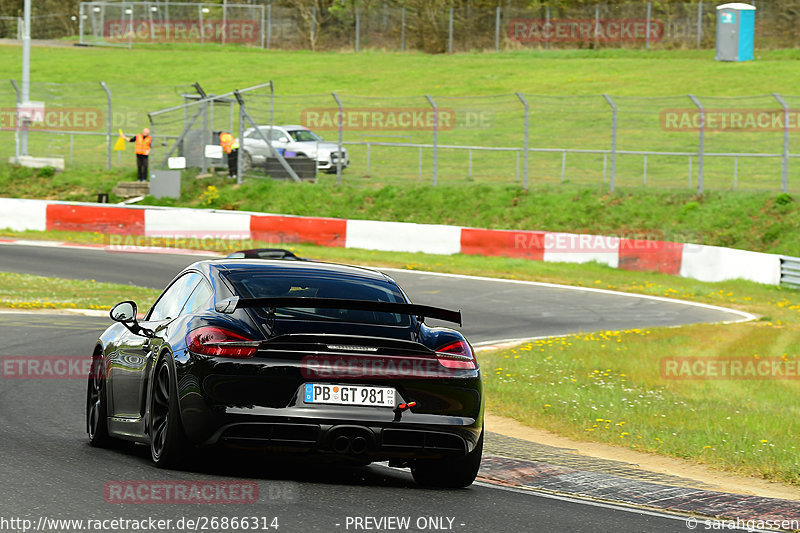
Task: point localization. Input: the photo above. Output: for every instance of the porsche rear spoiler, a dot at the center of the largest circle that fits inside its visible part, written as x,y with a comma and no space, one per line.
229,305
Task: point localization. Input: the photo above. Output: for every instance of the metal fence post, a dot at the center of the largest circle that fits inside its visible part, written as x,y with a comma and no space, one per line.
785,166
339,121
647,30
596,25
613,171
206,138
644,174
435,139
150,22
261,28
224,20
16,124
269,25
700,143
699,23
403,29
527,139
26,75
271,104
497,29
358,29
313,27
547,25
202,24
240,150
109,124
450,32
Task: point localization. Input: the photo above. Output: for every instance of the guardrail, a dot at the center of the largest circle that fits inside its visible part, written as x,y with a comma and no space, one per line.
790,272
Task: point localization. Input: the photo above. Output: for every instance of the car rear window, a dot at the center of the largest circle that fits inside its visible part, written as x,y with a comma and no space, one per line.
249,285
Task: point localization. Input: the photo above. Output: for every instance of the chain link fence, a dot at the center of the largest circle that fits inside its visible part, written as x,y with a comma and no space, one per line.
434,26
698,142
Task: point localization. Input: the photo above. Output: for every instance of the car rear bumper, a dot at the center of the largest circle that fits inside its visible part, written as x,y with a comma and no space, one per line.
369,440
331,164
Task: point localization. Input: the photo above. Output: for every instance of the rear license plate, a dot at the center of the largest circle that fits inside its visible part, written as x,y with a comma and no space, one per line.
349,395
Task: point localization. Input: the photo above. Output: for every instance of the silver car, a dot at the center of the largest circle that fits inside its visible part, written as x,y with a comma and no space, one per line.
298,139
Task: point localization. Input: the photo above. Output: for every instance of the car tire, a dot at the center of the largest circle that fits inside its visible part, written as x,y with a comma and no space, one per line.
97,406
168,442
247,162
456,472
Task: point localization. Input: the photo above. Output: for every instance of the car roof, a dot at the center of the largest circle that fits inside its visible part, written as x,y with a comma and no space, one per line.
283,126
291,268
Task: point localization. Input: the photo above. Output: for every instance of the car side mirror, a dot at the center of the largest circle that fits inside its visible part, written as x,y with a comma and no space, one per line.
283,140
125,314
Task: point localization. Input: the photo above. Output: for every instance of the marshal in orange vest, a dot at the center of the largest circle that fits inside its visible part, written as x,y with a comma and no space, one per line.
142,144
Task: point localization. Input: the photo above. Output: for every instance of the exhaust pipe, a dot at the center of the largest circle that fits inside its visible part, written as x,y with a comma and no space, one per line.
359,445
341,444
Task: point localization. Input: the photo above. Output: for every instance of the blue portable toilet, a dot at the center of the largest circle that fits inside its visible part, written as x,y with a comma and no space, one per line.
735,32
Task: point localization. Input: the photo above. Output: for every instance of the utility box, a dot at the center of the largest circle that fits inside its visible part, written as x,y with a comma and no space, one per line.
165,183
735,32
304,167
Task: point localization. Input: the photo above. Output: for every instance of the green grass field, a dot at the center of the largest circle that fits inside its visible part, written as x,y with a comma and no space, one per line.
574,116
26,292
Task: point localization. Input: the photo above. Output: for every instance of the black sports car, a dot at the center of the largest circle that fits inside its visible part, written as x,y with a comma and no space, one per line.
291,356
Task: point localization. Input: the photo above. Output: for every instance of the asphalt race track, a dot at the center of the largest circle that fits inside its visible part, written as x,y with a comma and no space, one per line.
491,310
49,471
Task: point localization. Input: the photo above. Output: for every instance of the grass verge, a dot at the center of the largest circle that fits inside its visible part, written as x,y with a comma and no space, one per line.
608,387
25,291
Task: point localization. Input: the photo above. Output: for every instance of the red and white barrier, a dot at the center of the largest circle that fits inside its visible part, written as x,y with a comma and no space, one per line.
706,263
403,237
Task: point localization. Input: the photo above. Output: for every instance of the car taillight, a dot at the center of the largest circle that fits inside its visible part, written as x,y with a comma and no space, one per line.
221,342
456,355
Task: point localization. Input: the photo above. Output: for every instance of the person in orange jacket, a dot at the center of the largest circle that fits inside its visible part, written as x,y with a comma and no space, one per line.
231,147
142,148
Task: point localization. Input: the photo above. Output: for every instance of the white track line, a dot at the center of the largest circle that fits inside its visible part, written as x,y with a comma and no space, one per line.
673,515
